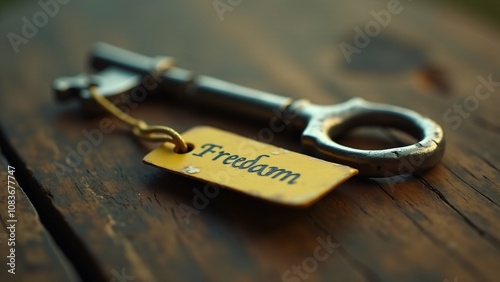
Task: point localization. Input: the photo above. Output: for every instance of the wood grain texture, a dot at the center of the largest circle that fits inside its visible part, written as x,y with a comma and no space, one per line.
113,216
36,255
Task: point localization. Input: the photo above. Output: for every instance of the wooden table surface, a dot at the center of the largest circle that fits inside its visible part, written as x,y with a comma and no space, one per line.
109,217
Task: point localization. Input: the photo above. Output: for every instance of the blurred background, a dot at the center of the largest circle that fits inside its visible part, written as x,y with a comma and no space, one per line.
419,42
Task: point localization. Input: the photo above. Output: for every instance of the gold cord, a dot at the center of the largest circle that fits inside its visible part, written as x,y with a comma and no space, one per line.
139,127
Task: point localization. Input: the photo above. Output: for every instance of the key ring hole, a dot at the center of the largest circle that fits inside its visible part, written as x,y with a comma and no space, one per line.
190,147
374,138
398,131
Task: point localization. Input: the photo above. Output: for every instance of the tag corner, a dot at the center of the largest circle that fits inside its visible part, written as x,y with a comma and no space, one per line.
353,171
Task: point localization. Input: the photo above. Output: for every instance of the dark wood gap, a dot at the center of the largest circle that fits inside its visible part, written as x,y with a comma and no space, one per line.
63,235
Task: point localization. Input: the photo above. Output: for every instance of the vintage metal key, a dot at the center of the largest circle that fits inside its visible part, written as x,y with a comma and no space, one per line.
121,70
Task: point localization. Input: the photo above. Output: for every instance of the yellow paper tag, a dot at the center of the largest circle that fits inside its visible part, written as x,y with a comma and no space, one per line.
251,167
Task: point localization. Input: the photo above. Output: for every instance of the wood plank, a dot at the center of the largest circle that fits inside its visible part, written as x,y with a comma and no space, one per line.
25,244
128,217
